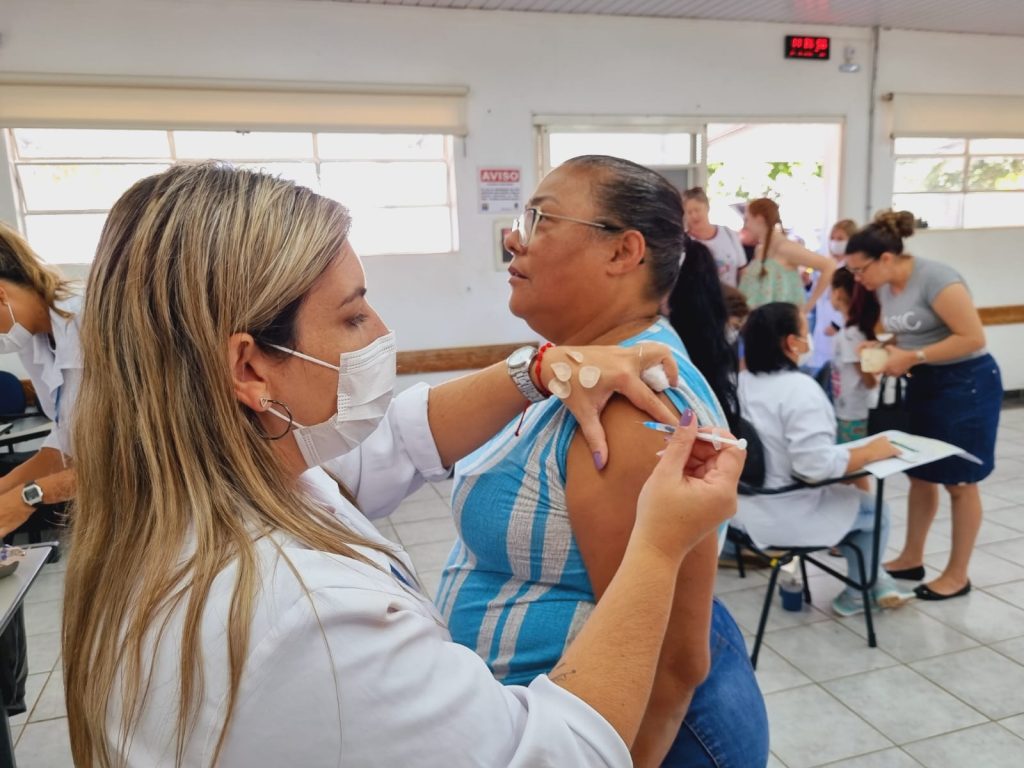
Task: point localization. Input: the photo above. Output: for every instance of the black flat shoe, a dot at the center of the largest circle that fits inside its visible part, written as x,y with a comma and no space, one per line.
910,574
924,593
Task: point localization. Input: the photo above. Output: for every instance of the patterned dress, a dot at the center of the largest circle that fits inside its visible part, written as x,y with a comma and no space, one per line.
779,283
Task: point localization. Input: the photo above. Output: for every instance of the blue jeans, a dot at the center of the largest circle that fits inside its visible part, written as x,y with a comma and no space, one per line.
862,535
727,724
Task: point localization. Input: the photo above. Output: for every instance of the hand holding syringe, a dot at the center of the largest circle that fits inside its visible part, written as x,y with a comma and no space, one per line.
709,437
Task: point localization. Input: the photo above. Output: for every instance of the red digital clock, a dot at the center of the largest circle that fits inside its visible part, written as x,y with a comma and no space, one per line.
808,47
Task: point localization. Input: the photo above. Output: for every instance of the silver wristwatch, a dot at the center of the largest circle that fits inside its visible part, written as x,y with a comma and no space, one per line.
32,494
519,363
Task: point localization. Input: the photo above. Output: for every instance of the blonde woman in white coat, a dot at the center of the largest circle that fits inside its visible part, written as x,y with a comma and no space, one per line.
39,322
226,604
797,425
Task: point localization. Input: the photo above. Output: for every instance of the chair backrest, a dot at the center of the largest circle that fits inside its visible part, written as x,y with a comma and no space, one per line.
12,395
754,469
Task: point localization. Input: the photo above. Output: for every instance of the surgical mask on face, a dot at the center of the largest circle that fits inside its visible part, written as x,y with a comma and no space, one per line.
15,339
837,247
806,356
366,383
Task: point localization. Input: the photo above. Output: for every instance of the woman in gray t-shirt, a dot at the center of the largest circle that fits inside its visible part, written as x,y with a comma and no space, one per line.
954,394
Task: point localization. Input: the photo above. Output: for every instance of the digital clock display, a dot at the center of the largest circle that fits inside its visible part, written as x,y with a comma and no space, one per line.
808,47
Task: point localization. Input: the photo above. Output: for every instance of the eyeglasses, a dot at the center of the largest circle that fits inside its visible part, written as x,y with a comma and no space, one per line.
860,270
524,225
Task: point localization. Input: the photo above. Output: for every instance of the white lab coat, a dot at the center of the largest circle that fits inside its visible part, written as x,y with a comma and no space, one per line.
351,667
57,368
797,426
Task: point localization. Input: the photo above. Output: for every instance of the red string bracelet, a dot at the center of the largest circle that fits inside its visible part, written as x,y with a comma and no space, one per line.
540,356
540,385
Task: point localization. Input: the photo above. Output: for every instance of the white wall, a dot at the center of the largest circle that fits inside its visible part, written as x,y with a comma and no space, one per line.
516,65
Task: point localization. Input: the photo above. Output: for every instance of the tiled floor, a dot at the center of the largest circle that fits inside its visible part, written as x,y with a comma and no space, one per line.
944,689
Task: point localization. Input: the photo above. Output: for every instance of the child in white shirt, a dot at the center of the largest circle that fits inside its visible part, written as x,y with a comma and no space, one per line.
852,390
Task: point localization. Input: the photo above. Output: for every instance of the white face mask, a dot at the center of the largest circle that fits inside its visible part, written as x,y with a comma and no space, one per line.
806,356
837,247
366,383
15,339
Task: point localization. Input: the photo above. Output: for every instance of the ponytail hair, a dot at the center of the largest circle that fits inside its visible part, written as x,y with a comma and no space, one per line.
20,265
769,211
698,314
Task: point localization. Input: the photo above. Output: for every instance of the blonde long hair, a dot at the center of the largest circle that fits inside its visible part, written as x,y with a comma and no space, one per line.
22,266
175,481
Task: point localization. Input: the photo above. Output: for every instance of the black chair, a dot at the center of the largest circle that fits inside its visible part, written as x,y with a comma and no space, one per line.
779,555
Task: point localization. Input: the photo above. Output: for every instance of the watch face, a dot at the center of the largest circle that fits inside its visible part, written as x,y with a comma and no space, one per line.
32,494
521,357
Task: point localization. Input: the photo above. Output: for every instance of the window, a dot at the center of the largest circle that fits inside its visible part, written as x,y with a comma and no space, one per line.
960,183
399,187
673,149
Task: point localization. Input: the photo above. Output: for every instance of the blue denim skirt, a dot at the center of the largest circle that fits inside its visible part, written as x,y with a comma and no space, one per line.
959,404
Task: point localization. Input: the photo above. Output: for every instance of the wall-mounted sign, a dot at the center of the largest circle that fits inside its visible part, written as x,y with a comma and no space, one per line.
499,190
808,47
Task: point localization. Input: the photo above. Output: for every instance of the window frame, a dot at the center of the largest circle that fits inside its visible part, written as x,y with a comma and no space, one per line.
966,157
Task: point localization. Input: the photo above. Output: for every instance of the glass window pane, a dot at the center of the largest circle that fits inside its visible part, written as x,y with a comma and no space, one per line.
994,209
928,174
65,142
79,186
939,211
401,230
996,173
239,145
65,238
301,173
644,148
997,146
930,146
376,185
380,146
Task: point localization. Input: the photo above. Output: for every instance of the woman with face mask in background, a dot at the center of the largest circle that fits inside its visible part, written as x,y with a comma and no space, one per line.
39,322
827,320
225,603
797,426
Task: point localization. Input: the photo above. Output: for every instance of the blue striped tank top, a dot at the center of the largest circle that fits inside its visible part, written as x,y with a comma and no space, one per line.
515,588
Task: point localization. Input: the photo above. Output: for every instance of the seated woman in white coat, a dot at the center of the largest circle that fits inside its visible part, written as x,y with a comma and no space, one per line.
797,425
226,605
39,322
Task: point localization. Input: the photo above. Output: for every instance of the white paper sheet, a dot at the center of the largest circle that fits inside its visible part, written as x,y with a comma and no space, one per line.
916,450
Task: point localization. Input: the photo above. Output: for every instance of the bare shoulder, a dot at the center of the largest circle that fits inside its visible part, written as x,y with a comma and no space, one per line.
632,451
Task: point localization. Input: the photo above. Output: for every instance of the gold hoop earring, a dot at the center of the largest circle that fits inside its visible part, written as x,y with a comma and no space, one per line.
265,401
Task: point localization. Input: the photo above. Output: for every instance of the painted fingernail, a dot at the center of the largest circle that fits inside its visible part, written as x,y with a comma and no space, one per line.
686,418
598,460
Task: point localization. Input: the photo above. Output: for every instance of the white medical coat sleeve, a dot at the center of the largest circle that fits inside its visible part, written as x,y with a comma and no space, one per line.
395,460
60,436
369,679
809,426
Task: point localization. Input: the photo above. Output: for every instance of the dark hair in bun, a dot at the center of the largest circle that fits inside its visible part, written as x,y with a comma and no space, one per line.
883,235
